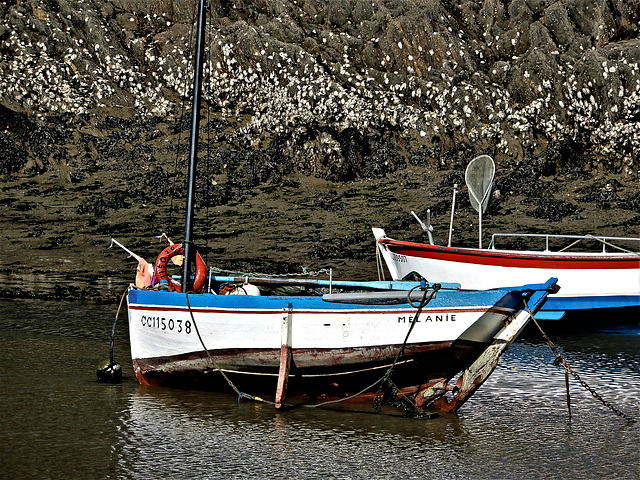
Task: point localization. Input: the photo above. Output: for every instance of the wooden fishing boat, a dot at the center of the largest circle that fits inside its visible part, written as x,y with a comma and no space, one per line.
329,346
398,342
592,282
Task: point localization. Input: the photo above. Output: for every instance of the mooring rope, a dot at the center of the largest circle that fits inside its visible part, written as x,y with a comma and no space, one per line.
400,353
379,263
559,360
387,374
113,328
386,379
215,364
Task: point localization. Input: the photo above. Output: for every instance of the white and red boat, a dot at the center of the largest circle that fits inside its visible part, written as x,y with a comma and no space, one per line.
591,282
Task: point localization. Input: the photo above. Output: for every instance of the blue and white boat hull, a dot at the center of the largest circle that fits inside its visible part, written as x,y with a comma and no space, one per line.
336,347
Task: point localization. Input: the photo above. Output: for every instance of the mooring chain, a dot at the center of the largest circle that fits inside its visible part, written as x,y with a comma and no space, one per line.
559,360
595,394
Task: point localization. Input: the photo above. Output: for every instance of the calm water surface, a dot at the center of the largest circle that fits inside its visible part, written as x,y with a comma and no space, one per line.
56,421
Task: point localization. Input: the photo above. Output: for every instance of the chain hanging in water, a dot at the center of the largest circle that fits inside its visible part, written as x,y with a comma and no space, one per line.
388,395
559,360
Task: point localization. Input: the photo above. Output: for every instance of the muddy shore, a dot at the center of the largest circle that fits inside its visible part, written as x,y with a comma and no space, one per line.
57,235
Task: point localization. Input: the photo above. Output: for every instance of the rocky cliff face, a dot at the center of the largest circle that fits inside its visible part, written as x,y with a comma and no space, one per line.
338,84
94,93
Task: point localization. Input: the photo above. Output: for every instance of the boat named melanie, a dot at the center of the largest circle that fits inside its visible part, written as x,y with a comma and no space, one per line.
398,343
326,347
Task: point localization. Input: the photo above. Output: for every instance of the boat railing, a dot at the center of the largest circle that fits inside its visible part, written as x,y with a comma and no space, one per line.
577,239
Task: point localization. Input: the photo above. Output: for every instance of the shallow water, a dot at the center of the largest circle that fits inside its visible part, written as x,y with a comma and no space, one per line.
58,422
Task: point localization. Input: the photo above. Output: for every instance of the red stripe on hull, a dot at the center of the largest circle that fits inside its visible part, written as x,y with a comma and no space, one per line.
512,259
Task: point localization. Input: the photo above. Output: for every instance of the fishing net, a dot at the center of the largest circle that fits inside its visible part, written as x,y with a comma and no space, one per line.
479,179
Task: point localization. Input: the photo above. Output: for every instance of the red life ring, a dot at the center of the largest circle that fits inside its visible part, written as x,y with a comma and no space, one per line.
161,268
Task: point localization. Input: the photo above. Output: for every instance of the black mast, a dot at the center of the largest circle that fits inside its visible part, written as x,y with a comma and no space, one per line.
189,253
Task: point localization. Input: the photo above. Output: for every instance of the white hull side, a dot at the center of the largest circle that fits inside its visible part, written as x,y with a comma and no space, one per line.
582,282
612,274
163,332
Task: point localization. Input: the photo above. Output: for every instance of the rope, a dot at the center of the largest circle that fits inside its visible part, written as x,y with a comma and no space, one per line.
611,244
419,308
559,360
400,353
113,328
570,245
386,379
206,70
386,376
169,224
379,264
599,240
344,399
215,364
305,273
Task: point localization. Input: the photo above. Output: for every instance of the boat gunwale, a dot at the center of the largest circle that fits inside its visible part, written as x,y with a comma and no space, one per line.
575,260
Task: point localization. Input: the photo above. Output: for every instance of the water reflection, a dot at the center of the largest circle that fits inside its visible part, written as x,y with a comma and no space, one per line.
608,362
502,433
516,426
224,439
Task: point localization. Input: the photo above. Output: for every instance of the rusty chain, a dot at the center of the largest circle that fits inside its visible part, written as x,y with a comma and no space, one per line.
595,394
559,360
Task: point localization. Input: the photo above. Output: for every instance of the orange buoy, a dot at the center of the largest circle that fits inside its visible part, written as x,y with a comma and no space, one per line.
161,268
